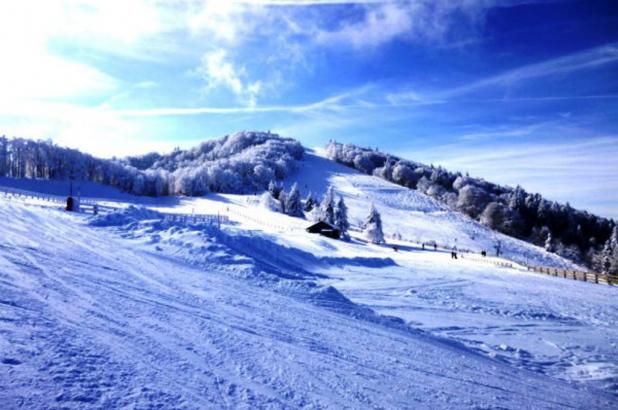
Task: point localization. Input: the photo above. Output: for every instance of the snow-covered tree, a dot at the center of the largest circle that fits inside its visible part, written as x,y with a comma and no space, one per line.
609,254
267,201
327,206
274,189
309,203
549,243
283,198
340,216
372,227
472,200
293,206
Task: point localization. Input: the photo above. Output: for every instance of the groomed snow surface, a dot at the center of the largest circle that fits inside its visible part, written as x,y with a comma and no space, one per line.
134,310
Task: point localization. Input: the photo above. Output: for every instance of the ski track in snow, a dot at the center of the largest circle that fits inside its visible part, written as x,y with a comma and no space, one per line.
146,314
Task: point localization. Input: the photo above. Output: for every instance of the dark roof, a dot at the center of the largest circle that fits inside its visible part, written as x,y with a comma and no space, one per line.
319,226
324,228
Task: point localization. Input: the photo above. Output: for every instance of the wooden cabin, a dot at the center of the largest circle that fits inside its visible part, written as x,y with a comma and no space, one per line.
325,229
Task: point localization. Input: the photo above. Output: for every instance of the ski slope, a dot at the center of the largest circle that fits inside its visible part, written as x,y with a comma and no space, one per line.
128,310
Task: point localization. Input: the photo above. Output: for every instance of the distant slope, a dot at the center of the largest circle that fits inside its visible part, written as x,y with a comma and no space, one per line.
574,234
414,215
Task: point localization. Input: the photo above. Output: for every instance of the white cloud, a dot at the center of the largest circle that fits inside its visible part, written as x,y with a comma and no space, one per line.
423,20
218,71
333,104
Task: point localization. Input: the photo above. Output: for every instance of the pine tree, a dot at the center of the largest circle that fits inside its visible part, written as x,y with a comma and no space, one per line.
373,227
274,189
293,207
327,207
340,216
283,197
309,203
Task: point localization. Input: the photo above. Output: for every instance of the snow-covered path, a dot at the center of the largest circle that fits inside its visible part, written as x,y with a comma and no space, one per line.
89,319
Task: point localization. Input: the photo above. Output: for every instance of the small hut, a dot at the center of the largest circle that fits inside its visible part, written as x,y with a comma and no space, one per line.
325,229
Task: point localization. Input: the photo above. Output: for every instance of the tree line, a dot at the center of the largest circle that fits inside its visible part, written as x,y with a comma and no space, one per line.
240,163
576,235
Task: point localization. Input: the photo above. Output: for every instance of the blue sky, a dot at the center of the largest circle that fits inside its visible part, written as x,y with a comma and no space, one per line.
515,91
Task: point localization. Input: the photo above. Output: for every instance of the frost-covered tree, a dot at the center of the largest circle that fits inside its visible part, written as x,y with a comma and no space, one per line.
372,227
238,163
472,200
267,201
138,184
340,216
293,206
609,254
327,206
3,156
549,243
309,203
274,189
283,198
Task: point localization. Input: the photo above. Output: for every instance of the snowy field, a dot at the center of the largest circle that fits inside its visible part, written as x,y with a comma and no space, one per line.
128,311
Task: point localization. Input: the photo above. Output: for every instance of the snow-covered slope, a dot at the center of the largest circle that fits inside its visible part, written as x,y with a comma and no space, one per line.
253,303
127,312
415,216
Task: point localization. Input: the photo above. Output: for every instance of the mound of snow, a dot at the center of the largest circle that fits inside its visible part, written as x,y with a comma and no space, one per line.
125,217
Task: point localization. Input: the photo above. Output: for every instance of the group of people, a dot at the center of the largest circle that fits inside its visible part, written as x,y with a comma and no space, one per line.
435,248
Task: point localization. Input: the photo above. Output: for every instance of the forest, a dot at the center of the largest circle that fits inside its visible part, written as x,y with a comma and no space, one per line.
240,163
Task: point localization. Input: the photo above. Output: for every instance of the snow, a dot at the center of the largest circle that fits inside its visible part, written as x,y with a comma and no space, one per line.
130,310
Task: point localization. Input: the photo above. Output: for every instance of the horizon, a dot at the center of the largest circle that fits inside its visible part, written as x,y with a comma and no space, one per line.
517,92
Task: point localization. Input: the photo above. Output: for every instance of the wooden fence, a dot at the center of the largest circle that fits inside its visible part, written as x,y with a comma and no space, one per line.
91,206
488,260
577,275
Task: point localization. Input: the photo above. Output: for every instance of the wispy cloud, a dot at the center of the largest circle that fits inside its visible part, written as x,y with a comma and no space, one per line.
413,20
335,103
218,71
586,59
564,65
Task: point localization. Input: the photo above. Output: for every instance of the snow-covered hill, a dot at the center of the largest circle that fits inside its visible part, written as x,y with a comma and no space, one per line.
132,310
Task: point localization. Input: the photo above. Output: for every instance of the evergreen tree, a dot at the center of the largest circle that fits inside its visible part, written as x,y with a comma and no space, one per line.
373,227
340,216
267,201
293,206
327,207
309,203
274,189
283,200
